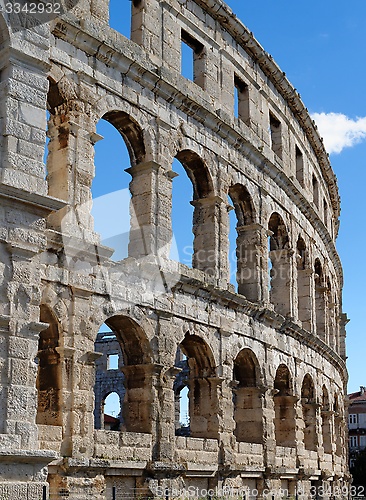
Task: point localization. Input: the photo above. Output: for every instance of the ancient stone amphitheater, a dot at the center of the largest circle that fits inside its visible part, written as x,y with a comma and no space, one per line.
264,362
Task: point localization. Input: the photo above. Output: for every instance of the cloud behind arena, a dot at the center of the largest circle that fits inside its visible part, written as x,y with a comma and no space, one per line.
339,131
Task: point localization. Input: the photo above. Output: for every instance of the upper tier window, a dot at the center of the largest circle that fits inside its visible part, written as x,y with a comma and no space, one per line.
192,59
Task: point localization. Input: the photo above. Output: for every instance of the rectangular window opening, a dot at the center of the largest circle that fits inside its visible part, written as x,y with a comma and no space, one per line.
325,214
112,361
315,191
137,14
192,59
241,100
299,166
275,135
353,418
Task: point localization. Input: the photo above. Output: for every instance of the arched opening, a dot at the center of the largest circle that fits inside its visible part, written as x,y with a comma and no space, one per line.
334,334
339,426
110,190
247,398
49,376
332,313
55,157
109,380
320,291
129,376
284,405
304,276
308,403
199,373
111,408
121,206
326,421
181,395
247,243
194,231
279,265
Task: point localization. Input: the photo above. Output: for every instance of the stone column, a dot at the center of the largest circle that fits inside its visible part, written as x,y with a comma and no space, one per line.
342,335
137,405
70,169
320,311
281,281
164,415
204,406
326,429
21,463
252,262
148,28
150,232
24,209
305,293
269,430
206,230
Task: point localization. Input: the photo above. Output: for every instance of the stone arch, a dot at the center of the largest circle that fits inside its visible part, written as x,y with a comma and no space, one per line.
248,243
198,173
109,377
49,374
326,421
320,299
134,343
339,425
247,398
243,205
203,387
137,370
304,286
309,412
284,405
331,315
133,124
110,425
278,239
205,213
131,132
279,264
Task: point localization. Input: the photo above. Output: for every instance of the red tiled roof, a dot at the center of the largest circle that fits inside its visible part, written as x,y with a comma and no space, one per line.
357,396
108,419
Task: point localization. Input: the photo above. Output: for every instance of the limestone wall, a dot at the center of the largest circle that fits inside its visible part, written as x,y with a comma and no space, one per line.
267,372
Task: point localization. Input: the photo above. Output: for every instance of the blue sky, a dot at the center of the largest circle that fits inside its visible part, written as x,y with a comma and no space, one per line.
320,45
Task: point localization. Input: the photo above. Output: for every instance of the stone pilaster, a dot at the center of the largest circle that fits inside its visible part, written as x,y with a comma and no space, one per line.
252,262
305,293
281,281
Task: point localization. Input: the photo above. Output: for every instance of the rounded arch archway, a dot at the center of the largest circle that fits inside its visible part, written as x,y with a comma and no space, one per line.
194,231
284,403
279,265
131,132
320,299
49,374
125,369
326,415
199,375
304,277
309,413
244,252
248,411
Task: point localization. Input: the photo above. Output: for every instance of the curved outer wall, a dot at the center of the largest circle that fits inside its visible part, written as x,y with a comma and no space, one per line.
267,373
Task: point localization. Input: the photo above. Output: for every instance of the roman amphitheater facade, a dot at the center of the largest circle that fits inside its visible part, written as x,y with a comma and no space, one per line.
264,363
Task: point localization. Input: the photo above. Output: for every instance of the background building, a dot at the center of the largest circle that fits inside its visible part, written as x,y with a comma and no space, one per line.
357,434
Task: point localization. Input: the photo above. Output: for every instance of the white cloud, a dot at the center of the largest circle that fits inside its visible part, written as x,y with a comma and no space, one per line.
339,131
